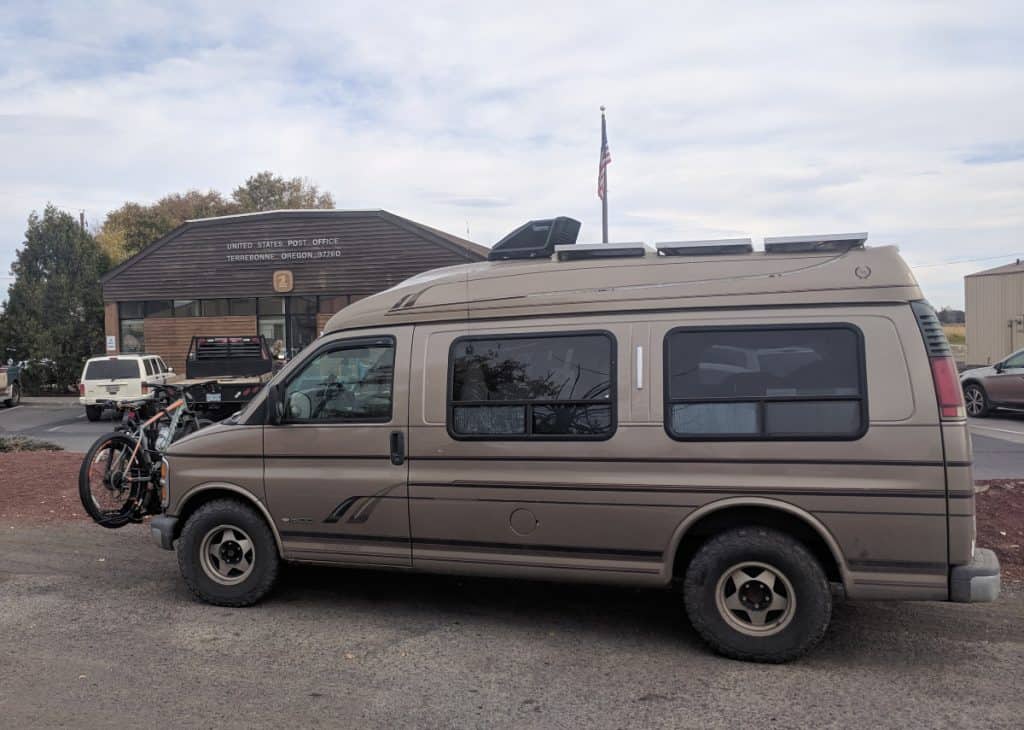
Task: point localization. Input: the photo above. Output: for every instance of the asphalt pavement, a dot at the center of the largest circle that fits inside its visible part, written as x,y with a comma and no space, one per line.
97,629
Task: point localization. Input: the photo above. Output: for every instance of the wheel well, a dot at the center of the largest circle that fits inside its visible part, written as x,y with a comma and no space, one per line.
730,517
209,495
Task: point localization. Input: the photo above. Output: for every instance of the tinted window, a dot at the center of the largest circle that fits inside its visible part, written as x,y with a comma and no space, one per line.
767,382
242,306
131,310
149,366
271,305
545,386
112,369
158,308
215,307
348,384
132,336
186,307
1015,360
330,305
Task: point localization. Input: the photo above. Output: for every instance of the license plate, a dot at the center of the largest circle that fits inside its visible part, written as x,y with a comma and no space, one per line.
113,389
213,397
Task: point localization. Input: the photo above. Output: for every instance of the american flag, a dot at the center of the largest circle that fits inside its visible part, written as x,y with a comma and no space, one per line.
602,165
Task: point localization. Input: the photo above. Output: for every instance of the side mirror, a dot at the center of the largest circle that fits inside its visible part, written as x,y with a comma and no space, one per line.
999,367
170,370
275,408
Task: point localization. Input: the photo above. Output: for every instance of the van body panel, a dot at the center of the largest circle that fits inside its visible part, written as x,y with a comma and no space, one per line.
332,487
893,502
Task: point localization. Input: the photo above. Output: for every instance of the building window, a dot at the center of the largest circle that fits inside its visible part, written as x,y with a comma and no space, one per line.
269,306
215,307
557,386
771,382
186,307
245,306
131,310
132,337
331,305
159,308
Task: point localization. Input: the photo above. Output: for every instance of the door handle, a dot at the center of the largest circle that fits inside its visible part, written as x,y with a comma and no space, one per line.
397,448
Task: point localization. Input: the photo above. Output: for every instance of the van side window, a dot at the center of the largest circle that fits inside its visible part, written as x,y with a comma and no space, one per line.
770,382
351,383
559,386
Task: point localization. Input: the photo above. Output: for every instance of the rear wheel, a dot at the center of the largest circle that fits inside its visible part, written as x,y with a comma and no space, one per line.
105,484
757,594
94,413
976,400
15,398
227,554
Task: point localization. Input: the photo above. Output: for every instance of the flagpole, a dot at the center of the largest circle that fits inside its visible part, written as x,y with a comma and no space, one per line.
604,198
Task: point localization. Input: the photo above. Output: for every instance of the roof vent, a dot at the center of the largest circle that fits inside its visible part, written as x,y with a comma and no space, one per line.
536,239
600,251
833,243
720,247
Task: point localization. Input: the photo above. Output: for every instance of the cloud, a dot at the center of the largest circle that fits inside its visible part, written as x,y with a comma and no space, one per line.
724,119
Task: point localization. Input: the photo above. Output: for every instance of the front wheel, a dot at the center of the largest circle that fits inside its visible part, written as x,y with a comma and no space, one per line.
15,398
757,594
227,554
976,400
108,485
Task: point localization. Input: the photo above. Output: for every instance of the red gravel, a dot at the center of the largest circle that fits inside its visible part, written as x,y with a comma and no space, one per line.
1000,510
42,487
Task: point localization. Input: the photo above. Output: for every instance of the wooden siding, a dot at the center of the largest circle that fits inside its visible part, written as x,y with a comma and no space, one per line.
374,250
169,337
110,324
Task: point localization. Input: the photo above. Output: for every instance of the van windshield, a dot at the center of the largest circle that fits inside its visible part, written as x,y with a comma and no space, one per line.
112,369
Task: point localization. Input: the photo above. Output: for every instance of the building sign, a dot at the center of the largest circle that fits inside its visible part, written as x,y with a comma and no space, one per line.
284,282
111,343
282,249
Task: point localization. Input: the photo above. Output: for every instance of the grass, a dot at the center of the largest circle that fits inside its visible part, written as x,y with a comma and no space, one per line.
955,333
11,444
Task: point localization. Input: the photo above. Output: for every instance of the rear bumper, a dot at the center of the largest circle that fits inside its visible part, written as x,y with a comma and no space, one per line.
976,582
162,529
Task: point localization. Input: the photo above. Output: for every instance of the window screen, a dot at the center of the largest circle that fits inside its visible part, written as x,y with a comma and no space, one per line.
540,386
765,383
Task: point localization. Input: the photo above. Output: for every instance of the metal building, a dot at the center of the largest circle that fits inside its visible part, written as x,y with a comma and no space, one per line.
994,301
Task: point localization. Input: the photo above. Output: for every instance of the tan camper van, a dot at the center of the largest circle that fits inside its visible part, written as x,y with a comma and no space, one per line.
761,429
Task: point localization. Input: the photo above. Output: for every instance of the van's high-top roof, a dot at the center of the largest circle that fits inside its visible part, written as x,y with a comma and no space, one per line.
548,286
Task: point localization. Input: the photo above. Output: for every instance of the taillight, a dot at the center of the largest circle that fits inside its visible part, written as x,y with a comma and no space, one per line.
81,388
947,388
145,388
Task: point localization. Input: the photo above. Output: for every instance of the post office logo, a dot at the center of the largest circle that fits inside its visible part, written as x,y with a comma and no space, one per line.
284,282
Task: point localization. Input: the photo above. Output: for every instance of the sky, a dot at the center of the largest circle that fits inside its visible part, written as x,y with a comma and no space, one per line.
725,119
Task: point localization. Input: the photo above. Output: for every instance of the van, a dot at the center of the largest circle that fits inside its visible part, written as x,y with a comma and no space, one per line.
117,379
761,430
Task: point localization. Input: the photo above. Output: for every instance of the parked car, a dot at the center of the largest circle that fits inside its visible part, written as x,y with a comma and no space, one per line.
759,429
10,384
119,378
995,386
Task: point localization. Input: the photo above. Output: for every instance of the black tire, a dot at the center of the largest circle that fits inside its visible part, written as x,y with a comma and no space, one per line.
796,629
115,516
94,413
976,400
15,398
200,534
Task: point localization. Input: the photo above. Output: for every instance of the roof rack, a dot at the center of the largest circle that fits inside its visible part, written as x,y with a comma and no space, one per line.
830,243
600,251
718,247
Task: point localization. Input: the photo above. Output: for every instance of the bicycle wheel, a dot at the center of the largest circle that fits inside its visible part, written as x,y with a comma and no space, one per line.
105,483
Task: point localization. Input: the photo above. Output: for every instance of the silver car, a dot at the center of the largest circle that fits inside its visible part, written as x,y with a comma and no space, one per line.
996,386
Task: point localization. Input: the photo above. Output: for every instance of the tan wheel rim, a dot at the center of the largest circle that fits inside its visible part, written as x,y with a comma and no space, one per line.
755,598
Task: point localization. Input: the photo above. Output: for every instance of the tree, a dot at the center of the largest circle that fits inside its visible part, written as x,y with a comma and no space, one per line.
54,307
133,226
267,191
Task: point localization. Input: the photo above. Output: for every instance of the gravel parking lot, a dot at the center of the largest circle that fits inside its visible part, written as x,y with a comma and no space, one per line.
98,630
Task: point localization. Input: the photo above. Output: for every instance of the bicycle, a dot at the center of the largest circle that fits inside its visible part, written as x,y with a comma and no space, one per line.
119,481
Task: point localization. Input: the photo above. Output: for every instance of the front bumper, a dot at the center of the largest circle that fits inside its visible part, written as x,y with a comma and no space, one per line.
162,528
976,582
